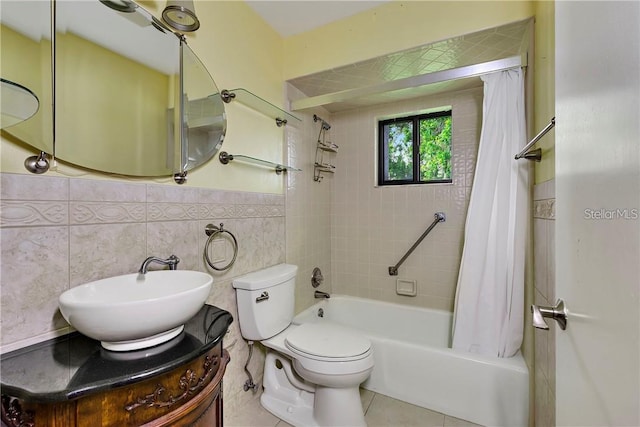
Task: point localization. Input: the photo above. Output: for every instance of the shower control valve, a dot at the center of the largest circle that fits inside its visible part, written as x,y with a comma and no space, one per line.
316,278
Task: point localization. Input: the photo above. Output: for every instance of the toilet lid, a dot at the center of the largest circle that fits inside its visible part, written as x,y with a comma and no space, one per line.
327,340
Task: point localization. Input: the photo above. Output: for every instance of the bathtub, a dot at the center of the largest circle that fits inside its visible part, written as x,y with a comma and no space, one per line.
413,362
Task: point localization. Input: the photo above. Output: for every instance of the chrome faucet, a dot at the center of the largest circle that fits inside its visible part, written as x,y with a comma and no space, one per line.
320,294
172,262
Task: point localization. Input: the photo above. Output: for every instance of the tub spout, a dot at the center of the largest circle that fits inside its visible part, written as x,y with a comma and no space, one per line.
320,294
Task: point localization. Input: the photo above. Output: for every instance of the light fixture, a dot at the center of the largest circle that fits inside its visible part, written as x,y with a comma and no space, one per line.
180,15
126,6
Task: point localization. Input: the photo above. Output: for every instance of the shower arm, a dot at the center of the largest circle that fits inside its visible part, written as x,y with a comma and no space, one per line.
438,217
535,154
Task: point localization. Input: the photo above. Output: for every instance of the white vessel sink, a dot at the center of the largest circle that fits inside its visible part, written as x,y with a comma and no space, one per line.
127,313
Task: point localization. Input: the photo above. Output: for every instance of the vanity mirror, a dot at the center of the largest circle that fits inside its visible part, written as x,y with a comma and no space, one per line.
19,103
25,31
130,96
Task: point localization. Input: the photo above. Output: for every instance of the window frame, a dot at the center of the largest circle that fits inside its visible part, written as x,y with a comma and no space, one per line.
383,154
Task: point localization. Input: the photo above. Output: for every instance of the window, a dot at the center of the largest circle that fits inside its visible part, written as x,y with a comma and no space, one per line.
415,149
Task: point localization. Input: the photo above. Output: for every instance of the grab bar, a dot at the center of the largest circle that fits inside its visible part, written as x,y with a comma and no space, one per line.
439,217
537,153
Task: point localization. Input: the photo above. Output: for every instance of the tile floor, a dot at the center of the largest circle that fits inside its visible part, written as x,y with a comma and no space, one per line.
380,411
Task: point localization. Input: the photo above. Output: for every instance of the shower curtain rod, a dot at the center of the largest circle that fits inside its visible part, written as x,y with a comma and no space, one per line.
474,70
535,155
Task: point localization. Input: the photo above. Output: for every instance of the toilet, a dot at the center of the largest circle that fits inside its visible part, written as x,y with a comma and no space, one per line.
312,371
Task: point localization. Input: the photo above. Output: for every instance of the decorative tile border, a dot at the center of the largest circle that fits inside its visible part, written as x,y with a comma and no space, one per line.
274,211
217,211
171,211
544,209
112,202
102,213
30,213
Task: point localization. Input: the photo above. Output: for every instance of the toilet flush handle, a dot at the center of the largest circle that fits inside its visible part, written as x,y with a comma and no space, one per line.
263,297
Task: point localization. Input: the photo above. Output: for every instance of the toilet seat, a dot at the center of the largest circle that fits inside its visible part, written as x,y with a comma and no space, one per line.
327,342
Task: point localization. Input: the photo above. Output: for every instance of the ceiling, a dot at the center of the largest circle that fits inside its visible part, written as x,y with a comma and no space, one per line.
368,82
398,75
297,16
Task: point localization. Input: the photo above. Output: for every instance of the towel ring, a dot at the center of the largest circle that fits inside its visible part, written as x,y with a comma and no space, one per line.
212,231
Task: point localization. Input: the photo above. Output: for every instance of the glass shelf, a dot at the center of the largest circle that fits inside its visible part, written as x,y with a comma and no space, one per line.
279,168
255,102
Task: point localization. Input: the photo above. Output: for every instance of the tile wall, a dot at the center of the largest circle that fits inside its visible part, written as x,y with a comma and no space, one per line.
58,232
372,227
308,207
544,272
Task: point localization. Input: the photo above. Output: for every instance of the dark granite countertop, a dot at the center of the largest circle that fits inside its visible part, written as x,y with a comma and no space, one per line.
74,365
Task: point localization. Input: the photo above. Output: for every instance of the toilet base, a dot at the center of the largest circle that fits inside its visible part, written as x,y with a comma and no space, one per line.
283,399
338,407
304,404
298,416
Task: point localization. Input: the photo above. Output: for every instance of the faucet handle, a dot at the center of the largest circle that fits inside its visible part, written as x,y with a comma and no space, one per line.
172,262
316,278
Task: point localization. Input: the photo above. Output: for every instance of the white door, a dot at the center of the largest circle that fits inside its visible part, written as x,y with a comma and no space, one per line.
597,202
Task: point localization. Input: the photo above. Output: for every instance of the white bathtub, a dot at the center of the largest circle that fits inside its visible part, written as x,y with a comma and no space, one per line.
413,362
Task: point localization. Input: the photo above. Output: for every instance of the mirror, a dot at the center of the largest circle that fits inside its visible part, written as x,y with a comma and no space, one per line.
18,103
117,76
204,119
26,92
131,98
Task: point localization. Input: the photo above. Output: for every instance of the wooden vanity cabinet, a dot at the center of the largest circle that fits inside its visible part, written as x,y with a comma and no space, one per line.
189,395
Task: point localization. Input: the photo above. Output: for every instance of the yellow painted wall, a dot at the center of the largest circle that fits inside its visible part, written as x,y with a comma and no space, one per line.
392,27
86,88
544,86
240,50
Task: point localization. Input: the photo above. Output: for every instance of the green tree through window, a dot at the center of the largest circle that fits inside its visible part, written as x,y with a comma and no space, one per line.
435,148
415,149
400,146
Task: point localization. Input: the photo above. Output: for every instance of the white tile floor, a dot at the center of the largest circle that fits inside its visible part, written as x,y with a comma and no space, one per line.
380,411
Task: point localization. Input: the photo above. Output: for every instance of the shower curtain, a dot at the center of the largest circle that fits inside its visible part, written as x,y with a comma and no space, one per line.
489,306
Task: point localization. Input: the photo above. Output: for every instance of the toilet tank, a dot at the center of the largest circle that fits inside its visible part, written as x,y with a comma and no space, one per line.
265,301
